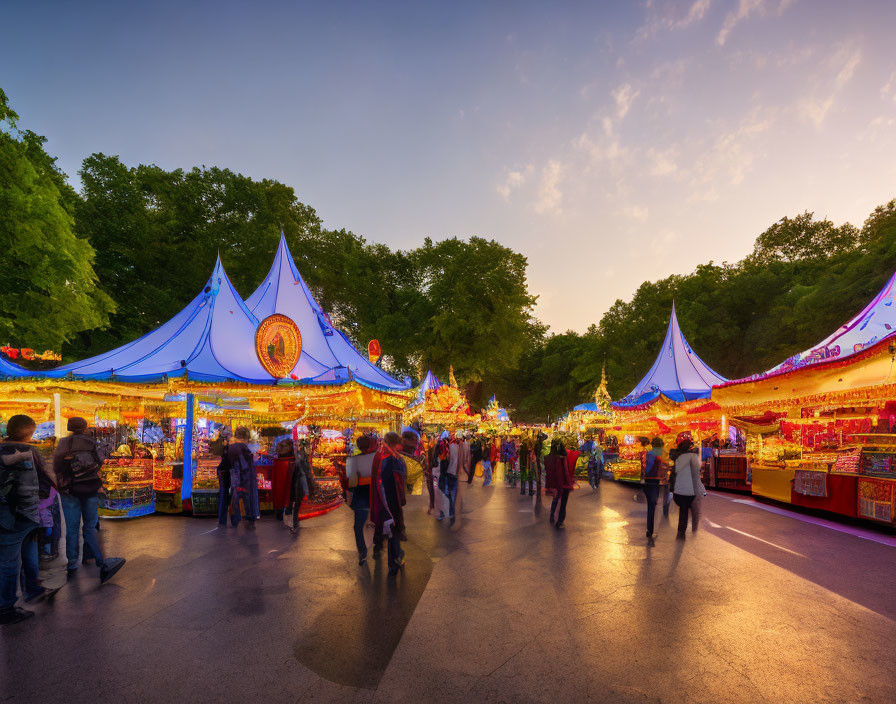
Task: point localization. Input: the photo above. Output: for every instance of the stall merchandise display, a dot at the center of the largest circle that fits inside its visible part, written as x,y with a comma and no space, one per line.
128,486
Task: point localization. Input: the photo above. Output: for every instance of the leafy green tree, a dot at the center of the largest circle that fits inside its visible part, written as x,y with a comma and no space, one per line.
804,237
48,288
478,311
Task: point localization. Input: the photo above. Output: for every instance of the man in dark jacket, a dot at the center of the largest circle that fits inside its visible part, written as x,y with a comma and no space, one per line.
23,480
237,479
77,465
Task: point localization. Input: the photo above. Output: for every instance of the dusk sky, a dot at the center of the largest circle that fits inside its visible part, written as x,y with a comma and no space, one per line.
609,142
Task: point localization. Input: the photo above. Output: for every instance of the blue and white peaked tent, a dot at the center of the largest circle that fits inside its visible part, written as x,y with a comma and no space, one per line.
678,373
430,383
211,340
327,355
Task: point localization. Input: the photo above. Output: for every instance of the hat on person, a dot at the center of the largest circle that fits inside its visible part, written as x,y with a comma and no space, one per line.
76,424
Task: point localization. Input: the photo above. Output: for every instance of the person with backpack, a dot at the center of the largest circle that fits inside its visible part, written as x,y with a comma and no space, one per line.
653,477
23,481
77,465
238,481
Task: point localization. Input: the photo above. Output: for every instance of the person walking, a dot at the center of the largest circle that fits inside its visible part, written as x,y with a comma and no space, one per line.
476,451
23,481
687,484
527,468
494,456
465,456
302,483
77,464
653,477
538,450
432,454
449,471
388,498
595,465
239,483
358,471
559,479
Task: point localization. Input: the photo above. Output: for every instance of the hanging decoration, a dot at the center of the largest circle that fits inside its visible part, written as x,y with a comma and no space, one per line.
29,354
374,351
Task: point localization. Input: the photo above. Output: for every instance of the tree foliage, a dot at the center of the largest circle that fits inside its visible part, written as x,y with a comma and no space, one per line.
48,288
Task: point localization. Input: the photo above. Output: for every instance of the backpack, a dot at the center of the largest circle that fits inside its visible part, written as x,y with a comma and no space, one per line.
84,472
13,465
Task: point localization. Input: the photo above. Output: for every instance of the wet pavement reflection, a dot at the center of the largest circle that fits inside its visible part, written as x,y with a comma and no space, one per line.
499,606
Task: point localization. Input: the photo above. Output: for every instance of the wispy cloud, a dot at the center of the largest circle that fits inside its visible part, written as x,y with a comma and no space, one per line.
672,15
747,8
624,96
662,162
888,91
839,71
514,180
637,212
550,199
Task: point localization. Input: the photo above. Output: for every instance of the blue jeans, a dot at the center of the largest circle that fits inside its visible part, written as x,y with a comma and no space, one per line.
451,491
487,471
360,520
76,508
651,495
13,548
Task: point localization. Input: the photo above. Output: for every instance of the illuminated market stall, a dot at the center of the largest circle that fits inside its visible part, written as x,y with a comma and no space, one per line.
437,406
821,426
670,398
272,361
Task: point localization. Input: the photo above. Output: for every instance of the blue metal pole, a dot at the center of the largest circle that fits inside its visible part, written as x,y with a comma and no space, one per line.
187,486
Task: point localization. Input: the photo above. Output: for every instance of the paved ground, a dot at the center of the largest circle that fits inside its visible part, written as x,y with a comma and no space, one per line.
756,606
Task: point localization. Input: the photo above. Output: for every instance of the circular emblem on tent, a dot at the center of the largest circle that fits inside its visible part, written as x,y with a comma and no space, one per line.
278,344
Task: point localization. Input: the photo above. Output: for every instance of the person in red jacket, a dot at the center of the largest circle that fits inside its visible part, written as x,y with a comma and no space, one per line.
559,478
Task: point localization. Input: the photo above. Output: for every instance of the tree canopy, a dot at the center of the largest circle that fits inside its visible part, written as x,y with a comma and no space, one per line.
94,269
48,287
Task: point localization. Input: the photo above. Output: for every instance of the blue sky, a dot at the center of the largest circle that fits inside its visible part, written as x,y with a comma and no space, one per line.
609,142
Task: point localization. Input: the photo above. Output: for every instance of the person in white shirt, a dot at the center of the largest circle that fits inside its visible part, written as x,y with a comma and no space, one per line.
358,470
687,484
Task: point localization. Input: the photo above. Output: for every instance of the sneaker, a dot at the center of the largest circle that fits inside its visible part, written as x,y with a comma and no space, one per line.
362,562
71,572
441,517
110,567
14,614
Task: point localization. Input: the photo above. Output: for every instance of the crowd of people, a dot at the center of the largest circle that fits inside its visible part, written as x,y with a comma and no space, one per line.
376,479
30,495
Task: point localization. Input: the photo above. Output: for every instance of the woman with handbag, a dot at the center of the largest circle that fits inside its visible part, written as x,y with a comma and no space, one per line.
687,484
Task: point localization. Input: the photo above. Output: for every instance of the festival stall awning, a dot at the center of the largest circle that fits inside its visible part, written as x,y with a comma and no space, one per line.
876,321
863,377
678,373
11,370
